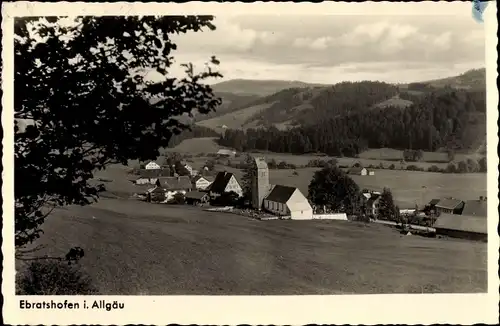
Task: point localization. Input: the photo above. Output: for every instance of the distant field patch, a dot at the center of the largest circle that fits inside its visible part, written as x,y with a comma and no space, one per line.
389,154
394,102
197,145
233,120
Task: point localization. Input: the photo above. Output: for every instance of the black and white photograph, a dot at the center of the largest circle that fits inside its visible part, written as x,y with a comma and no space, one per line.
248,153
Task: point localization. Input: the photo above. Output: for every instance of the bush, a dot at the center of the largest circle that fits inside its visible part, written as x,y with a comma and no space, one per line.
392,167
49,277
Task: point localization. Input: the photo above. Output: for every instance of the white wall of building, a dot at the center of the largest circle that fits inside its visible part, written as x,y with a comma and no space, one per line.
233,185
152,166
339,217
202,184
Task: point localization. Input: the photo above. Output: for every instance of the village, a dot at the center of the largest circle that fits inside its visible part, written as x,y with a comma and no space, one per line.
443,217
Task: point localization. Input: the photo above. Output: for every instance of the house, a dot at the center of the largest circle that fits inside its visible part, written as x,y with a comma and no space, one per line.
174,185
288,201
372,204
476,208
156,194
197,198
150,176
371,172
226,152
224,182
462,226
202,183
450,205
152,166
357,170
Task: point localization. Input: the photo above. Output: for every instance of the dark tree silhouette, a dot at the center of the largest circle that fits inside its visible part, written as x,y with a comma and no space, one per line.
387,210
333,188
83,89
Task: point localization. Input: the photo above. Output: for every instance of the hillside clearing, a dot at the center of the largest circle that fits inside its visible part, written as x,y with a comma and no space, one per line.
138,248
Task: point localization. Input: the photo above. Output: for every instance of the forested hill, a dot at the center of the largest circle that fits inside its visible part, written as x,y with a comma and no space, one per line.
446,118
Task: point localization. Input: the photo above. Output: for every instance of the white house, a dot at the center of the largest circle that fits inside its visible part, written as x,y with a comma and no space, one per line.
225,182
190,169
288,201
152,166
202,183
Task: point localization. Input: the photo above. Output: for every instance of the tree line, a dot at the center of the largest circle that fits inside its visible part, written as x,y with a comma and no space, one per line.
435,121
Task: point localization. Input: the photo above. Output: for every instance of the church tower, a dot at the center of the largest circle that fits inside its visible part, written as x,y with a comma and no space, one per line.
260,182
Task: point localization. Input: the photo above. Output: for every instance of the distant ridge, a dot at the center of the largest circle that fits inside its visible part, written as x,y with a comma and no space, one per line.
259,87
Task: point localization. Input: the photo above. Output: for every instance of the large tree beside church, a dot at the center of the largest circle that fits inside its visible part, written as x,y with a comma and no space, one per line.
333,189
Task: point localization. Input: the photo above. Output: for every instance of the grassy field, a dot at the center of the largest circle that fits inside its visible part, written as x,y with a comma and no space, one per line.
234,120
408,187
136,248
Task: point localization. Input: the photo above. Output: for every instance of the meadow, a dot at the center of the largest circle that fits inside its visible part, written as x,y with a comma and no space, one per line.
136,248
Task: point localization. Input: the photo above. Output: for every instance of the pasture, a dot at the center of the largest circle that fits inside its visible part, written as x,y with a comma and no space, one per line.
136,248
234,120
408,187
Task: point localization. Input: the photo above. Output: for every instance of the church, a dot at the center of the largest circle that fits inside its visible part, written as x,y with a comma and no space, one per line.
279,200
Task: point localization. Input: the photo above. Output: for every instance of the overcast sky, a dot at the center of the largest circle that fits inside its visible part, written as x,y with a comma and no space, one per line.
329,49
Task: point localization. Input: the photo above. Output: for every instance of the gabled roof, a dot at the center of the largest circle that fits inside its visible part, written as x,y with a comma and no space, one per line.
465,223
150,173
356,169
177,183
220,183
196,195
434,201
449,203
281,194
476,208
208,178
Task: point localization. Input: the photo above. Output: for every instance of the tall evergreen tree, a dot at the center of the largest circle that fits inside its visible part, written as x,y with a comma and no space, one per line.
387,210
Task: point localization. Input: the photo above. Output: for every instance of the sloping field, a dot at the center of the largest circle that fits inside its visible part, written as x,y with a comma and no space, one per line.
197,145
389,154
235,119
138,248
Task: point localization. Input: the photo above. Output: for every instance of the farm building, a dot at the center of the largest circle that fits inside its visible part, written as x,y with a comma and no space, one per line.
371,172
151,176
152,166
450,205
156,194
226,152
462,226
197,198
189,168
476,208
202,183
174,185
358,170
372,204
224,182
288,201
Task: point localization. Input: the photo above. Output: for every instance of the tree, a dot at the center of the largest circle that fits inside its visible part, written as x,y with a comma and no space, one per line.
248,173
333,188
450,155
82,86
181,169
387,210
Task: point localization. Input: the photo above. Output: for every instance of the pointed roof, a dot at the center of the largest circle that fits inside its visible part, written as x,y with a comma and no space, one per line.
196,195
177,183
281,194
220,183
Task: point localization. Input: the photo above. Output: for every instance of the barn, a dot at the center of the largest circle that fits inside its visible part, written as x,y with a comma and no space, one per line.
462,226
476,207
450,206
197,198
288,201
